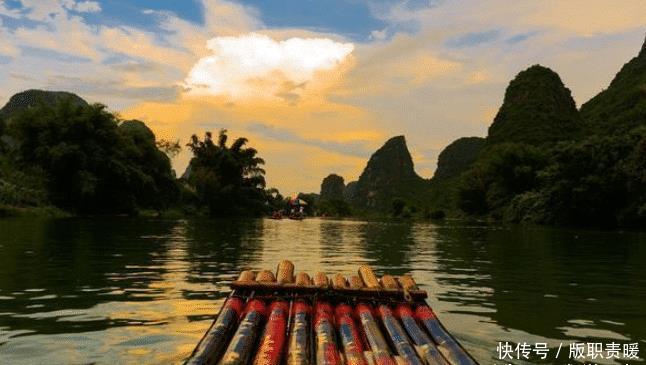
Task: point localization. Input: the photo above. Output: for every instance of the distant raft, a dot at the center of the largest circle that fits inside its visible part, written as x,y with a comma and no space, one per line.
282,318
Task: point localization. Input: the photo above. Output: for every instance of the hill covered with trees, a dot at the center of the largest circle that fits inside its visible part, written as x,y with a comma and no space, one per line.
546,162
56,150
543,160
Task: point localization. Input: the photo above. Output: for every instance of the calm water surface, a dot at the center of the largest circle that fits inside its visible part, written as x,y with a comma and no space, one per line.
127,291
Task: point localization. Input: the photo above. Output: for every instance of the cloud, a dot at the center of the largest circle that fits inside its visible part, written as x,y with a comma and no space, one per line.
254,65
325,107
7,49
10,13
473,39
379,35
581,17
229,18
84,6
356,148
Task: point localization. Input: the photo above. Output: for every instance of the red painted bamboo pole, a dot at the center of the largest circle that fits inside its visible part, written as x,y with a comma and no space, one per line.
398,336
298,348
450,348
378,345
349,335
271,345
240,348
326,350
426,346
215,342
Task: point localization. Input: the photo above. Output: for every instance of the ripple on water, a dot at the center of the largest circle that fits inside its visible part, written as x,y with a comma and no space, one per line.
144,291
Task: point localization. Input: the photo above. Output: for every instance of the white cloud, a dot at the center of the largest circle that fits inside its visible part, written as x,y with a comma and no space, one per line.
43,10
229,18
378,35
11,13
81,6
86,7
255,65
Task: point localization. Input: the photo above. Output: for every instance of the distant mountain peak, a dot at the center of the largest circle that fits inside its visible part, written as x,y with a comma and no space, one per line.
33,97
622,106
393,158
457,157
388,174
537,108
332,187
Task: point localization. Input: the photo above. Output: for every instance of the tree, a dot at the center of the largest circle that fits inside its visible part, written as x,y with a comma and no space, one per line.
228,180
93,162
170,148
504,171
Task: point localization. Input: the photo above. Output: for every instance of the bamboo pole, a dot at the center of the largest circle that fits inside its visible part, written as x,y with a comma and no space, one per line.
210,349
247,275
389,282
398,336
270,349
349,336
339,281
356,282
326,349
368,276
285,272
426,347
450,348
378,345
239,350
298,352
407,282
265,276
302,279
321,280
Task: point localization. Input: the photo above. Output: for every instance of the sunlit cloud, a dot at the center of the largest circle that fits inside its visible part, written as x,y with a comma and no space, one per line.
256,66
308,100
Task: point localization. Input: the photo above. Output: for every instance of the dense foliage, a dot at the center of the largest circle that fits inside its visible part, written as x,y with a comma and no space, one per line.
93,162
504,171
227,179
57,150
622,106
600,181
389,173
331,201
537,109
332,187
458,156
34,98
595,176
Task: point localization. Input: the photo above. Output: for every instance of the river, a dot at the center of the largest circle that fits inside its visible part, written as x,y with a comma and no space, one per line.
139,291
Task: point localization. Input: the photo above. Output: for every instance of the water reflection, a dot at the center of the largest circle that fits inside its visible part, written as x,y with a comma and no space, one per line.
126,291
546,284
389,244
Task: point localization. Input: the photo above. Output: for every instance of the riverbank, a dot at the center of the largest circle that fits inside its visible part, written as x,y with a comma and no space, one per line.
7,211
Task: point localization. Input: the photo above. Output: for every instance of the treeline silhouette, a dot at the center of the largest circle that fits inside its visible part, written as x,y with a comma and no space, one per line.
85,160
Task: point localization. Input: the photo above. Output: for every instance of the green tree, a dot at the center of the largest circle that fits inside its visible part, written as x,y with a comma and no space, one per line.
504,171
94,162
599,181
227,179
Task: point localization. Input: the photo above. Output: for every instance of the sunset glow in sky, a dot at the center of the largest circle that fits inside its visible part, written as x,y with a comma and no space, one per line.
316,86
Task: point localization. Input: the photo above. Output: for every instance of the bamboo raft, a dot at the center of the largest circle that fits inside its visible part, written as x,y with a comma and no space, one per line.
282,318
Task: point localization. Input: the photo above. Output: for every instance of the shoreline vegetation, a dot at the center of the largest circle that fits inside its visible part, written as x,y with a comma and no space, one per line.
543,161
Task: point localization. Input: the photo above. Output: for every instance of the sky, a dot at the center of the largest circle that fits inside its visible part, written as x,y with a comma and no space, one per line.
315,85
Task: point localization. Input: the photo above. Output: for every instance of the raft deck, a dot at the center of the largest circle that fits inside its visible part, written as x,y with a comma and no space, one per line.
282,318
